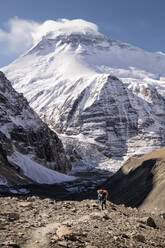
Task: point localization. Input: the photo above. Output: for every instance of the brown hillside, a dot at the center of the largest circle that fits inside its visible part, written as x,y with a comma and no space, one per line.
140,182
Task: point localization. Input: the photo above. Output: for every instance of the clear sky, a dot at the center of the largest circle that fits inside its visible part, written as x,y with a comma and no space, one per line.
137,22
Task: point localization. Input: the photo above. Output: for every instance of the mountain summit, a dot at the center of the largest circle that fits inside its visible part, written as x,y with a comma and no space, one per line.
105,98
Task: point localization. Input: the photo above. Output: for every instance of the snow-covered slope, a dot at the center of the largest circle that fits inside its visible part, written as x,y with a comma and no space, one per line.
37,172
27,145
105,98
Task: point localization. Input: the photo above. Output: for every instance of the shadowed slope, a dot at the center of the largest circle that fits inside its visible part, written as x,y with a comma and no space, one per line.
140,182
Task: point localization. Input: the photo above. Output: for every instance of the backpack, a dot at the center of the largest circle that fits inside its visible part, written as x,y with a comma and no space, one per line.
99,197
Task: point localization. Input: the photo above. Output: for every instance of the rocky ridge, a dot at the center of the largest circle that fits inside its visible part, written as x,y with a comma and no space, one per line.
22,132
27,222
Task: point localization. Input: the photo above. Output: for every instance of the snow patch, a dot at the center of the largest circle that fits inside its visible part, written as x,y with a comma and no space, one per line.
37,172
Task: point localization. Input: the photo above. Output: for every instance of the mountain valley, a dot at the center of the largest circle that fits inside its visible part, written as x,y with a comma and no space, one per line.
79,112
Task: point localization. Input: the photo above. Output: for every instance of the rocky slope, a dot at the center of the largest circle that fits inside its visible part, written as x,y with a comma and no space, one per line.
44,223
26,143
140,182
105,98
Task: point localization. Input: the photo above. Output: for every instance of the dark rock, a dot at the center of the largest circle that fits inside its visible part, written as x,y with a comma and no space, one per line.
125,236
13,216
151,222
139,238
10,244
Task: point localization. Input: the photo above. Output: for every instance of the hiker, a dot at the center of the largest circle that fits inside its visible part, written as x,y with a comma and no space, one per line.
102,197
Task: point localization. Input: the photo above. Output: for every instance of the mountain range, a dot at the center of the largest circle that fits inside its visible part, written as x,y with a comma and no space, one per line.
104,98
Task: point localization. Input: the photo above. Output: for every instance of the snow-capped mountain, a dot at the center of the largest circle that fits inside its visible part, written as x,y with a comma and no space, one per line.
29,150
105,98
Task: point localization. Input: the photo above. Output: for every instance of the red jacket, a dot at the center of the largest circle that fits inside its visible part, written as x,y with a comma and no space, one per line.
103,190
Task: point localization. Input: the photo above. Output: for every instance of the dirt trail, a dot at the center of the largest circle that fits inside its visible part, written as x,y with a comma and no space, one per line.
40,236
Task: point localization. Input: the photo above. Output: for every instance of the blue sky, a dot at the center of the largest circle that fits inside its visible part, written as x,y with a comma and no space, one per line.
137,22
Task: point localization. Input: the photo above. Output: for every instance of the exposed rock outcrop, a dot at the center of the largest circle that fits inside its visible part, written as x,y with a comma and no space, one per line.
21,130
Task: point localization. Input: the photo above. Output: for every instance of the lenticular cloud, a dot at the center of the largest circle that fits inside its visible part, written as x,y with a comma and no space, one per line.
20,34
64,26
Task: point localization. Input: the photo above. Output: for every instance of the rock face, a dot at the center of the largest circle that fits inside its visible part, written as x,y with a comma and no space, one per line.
32,222
140,182
22,132
104,98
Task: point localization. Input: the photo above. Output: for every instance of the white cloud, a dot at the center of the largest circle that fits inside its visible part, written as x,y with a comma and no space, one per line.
20,34
64,26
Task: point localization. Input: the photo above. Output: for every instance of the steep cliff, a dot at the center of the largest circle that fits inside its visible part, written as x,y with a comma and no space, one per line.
24,138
